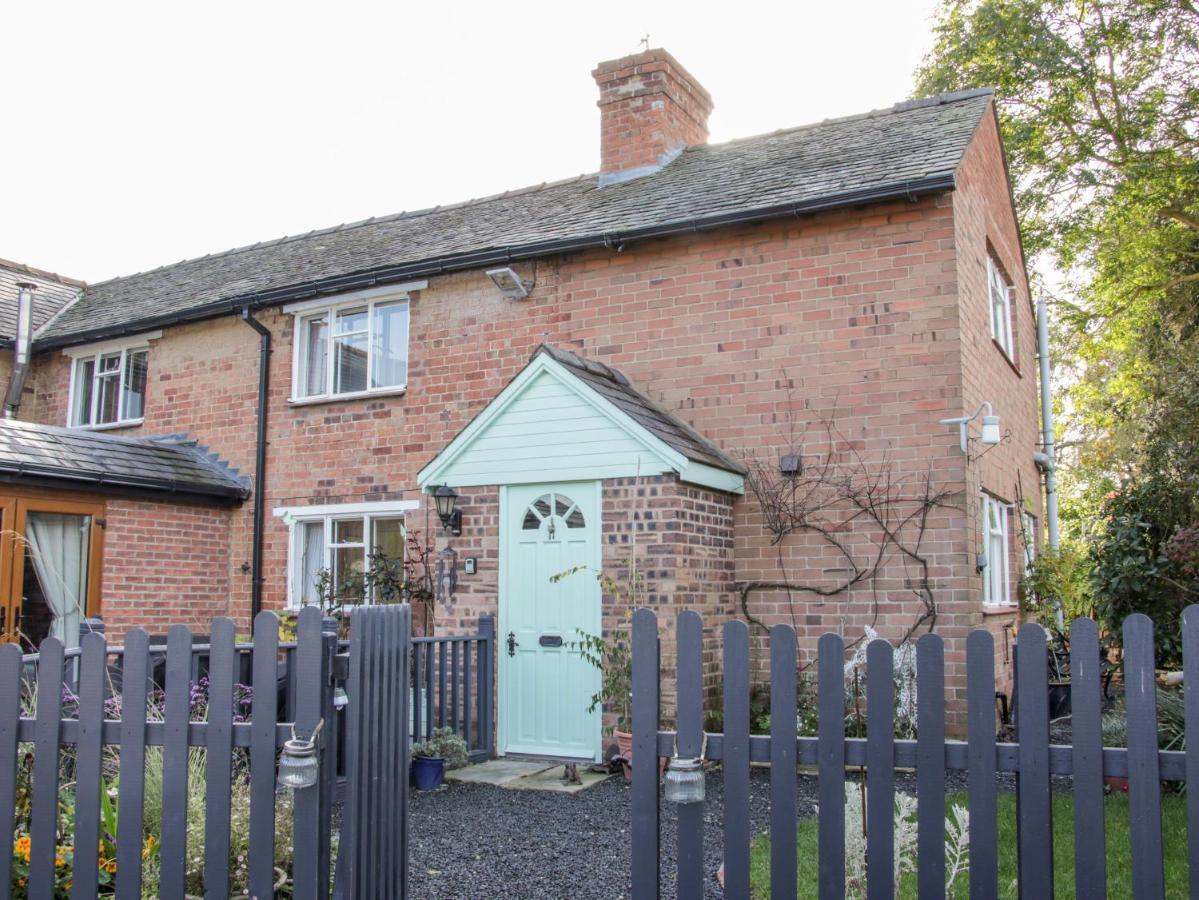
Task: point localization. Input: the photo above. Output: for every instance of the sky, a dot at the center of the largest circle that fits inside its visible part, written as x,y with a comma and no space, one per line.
138,134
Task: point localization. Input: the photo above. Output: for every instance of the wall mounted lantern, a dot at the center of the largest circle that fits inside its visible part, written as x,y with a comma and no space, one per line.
446,499
990,433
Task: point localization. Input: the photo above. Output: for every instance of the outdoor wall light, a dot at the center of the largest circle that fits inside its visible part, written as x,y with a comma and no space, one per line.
451,519
298,763
511,285
990,434
791,465
685,780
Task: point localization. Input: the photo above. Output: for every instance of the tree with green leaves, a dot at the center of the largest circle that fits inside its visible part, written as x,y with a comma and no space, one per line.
1099,106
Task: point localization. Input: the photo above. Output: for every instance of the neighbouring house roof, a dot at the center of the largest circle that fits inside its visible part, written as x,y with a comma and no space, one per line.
566,418
909,150
69,457
53,293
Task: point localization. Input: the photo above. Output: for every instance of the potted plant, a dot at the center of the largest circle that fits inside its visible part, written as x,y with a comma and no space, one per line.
431,759
614,659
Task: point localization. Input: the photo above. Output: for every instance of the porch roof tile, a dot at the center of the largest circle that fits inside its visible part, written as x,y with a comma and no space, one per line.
70,457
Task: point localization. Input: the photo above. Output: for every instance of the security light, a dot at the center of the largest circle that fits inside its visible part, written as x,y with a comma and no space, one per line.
990,433
510,284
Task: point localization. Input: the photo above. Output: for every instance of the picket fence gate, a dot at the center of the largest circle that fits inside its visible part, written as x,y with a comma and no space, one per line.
1032,758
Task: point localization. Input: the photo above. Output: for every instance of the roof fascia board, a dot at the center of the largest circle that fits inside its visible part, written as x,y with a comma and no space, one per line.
275,296
158,488
712,477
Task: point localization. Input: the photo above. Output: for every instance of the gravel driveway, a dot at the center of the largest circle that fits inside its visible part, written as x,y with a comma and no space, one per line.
476,841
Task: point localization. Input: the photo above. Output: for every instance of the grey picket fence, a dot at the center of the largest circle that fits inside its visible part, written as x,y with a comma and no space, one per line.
76,743
1031,757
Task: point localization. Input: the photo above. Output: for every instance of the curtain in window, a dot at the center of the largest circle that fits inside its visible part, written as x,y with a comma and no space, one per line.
312,562
58,546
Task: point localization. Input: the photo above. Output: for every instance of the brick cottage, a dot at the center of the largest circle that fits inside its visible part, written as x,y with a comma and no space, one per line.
727,363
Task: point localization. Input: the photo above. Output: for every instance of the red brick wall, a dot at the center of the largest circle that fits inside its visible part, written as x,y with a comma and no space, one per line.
874,316
984,222
164,564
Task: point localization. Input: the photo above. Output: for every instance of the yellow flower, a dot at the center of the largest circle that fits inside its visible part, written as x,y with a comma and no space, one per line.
21,882
22,847
111,866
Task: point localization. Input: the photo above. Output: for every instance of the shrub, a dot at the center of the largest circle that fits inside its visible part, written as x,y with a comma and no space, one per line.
1141,553
444,743
1061,576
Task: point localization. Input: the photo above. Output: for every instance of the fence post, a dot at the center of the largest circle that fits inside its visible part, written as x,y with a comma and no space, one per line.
307,801
1034,829
689,743
328,748
644,844
487,681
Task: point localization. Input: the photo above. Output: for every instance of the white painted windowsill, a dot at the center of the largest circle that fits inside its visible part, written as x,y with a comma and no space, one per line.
340,398
110,426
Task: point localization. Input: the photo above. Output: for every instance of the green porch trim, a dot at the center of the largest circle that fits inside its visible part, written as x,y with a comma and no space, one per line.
547,425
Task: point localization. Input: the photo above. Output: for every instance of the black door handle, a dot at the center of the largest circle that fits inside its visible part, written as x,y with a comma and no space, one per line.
511,643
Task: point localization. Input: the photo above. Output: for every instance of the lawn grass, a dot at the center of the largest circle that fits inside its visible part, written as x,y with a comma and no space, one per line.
1119,875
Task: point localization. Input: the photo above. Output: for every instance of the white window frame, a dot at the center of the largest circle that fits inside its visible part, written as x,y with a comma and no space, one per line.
999,302
296,517
997,573
312,309
93,353
1029,550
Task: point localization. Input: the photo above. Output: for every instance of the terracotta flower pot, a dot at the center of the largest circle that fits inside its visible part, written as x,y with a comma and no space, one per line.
624,743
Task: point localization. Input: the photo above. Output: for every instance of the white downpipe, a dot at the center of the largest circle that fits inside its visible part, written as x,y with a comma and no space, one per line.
1050,464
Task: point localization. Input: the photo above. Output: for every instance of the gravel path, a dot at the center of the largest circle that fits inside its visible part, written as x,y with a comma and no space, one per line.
476,841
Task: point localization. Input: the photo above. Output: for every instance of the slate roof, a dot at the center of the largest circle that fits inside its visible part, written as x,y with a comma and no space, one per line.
909,149
615,387
52,294
172,465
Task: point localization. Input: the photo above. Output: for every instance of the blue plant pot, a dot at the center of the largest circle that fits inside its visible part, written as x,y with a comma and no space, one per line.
427,773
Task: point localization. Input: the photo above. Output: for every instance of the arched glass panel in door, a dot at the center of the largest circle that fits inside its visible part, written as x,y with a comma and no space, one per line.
551,508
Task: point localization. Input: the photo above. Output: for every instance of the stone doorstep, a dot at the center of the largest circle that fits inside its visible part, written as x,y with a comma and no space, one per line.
524,775
551,780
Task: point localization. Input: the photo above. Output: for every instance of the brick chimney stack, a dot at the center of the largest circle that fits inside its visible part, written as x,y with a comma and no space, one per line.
651,108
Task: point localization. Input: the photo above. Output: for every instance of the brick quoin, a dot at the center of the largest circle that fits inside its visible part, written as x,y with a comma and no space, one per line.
875,315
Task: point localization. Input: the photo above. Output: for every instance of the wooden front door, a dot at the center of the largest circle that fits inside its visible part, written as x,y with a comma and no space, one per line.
51,553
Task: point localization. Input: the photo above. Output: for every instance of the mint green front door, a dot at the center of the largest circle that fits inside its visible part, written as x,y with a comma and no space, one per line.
545,685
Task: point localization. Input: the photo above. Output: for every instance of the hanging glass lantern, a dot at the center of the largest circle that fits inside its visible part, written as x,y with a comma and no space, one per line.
685,780
299,766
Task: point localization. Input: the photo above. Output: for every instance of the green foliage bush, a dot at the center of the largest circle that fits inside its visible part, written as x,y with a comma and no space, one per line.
1132,570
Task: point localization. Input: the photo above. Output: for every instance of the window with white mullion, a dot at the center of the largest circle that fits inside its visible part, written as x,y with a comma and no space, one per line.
352,349
995,533
1000,296
109,388
330,556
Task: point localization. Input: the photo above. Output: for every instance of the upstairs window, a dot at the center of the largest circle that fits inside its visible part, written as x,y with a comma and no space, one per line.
108,389
352,348
997,580
1001,307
